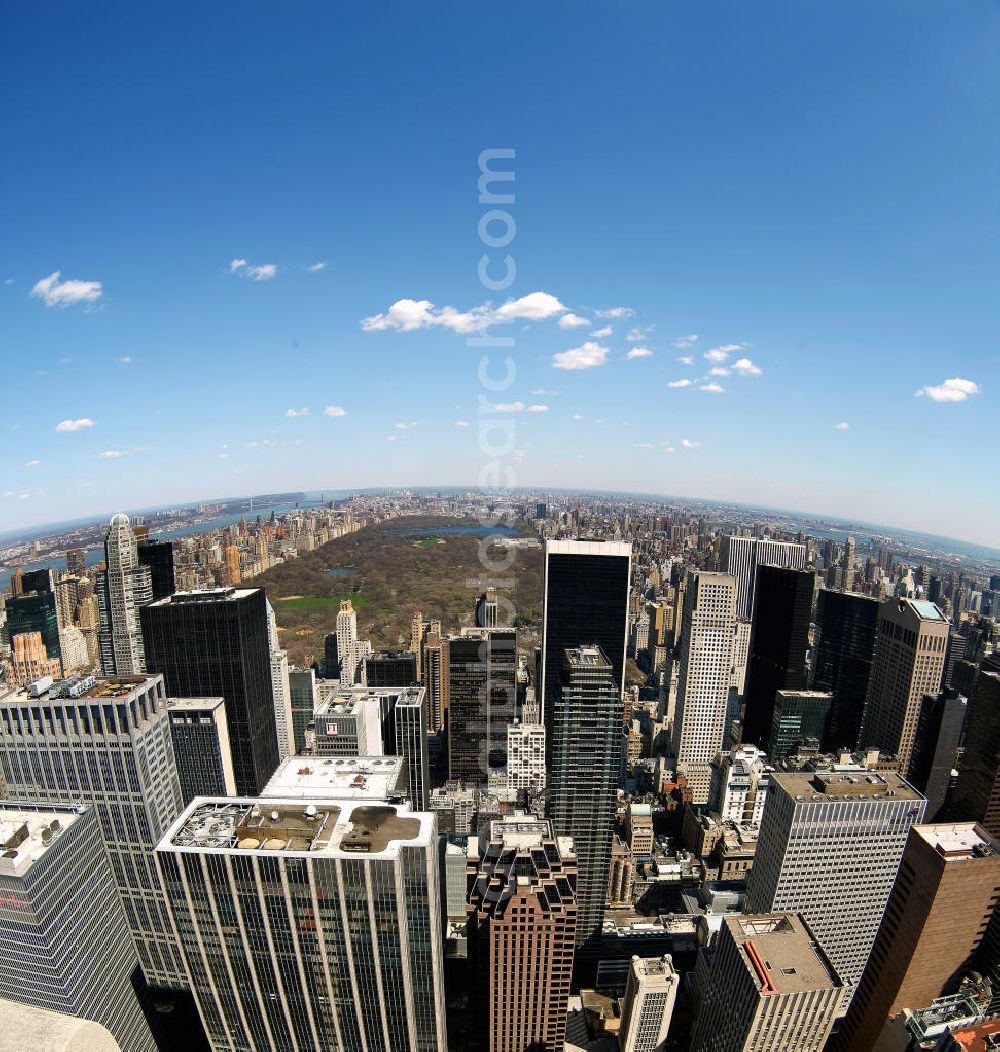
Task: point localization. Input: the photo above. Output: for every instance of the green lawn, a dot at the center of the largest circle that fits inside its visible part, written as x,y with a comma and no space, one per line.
428,542
305,601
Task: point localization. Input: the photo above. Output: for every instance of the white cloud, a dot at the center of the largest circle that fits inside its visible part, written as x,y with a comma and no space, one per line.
685,343
680,383
335,410
712,388
114,454
669,449
304,411
600,334
223,456
315,268
539,391
461,423
642,445
403,425
686,359
55,293
391,438
842,426
745,367
536,306
507,407
538,408
74,425
125,360
8,493
615,312
586,356
518,454
8,281
577,416
407,315
953,390
718,370
639,352
254,271
639,333
720,354
236,264
32,463
572,321
688,443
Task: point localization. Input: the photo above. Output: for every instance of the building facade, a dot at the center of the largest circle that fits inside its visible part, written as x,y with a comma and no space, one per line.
648,1005
123,588
200,737
741,556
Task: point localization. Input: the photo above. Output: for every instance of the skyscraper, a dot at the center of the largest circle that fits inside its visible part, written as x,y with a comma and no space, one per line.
309,925
800,717
708,630
64,943
159,557
351,651
908,663
770,987
829,848
214,643
526,757
200,737
585,602
411,743
390,668
937,747
648,1005
123,587
302,692
281,690
522,916
434,661
779,639
845,646
584,742
106,743
976,796
741,556
487,609
939,908
35,612
482,698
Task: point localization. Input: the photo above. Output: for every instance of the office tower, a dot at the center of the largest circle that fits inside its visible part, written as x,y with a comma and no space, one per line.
411,743
390,668
909,659
829,848
303,696
976,795
648,1005
309,925
739,784
106,743
30,660
215,644
526,757
800,718
847,565
522,919
35,612
584,746
779,639
845,646
958,649
482,697
770,987
330,667
347,722
42,580
937,747
123,587
542,512
940,905
200,737
76,562
741,657
231,556
708,630
741,557
585,603
487,609
64,943
159,557
281,690
434,662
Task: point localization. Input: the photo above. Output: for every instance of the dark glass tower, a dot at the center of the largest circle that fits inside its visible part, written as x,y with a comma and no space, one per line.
214,643
778,642
845,645
390,668
585,750
35,612
159,557
586,602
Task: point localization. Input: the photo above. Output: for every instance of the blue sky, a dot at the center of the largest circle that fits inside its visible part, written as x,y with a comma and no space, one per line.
810,185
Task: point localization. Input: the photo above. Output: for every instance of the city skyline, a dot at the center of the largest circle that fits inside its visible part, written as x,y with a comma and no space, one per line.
217,312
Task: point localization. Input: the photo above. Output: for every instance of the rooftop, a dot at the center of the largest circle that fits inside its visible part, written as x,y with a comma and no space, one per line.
781,954
589,656
195,704
926,610
42,1030
205,595
339,777
79,688
831,785
958,841
26,834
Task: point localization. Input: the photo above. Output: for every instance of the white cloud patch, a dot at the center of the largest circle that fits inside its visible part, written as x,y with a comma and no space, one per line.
685,343
578,416
404,425
540,391
115,454
507,407
616,312
642,445
536,306
65,426
745,367
842,426
688,443
712,388
315,268
601,334
572,321
721,354
953,390
304,411
32,463
462,423
236,264
254,271
669,449
639,333
587,356
680,383
125,359
391,438
335,410
718,370
638,352
55,293
408,315
686,359
538,408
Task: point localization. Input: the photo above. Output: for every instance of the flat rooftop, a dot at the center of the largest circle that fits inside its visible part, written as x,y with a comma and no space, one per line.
958,841
520,831
26,834
205,595
339,777
832,785
194,704
335,700
79,688
332,828
781,954
42,1030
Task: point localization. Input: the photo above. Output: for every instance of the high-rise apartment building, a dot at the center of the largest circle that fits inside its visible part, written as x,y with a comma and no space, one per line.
526,757
779,639
64,943
941,903
106,743
351,651
908,663
200,737
123,587
586,591
215,643
648,1004
411,743
482,701
584,743
846,625
708,629
829,848
434,662
522,915
309,925
280,687
487,610
976,795
770,988
741,556
738,790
